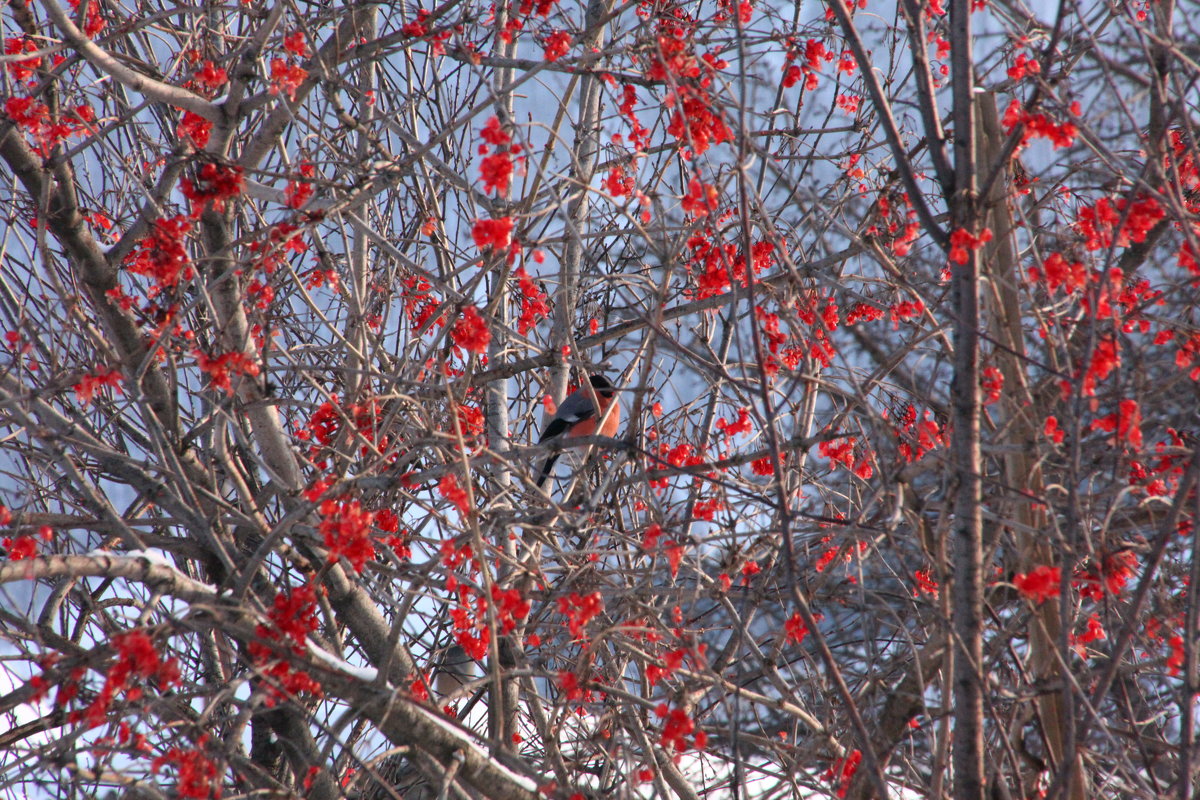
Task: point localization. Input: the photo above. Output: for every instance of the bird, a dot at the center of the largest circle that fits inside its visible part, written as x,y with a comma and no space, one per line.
455,670
577,416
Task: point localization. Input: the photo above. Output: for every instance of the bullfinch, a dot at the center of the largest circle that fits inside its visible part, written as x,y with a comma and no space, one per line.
455,670
577,416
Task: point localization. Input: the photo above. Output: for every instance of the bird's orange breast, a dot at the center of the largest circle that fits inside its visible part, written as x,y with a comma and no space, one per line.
611,422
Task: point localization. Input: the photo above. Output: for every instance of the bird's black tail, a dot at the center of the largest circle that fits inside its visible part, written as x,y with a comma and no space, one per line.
546,467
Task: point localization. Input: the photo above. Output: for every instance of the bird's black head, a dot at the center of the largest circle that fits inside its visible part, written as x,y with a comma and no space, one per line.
602,385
